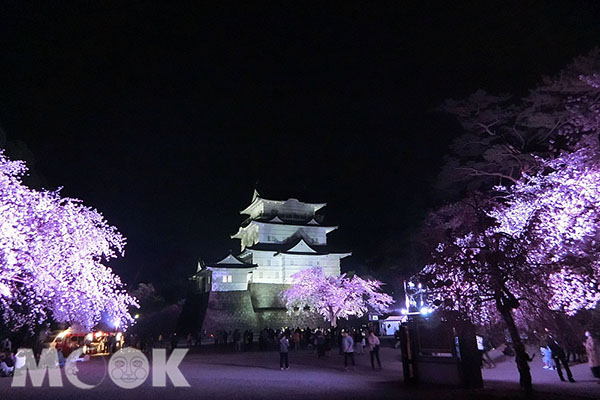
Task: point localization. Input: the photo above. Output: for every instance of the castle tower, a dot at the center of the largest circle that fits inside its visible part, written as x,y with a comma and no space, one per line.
278,239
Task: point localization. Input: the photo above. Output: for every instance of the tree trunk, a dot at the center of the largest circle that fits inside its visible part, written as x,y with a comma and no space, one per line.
332,317
521,357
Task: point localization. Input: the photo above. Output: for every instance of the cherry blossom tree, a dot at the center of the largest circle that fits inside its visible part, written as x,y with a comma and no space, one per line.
526,244
530,250
53,252
334,297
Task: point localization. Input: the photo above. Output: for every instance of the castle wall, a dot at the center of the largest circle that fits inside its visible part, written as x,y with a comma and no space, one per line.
230,310
279,233
256,308
267,295
230,279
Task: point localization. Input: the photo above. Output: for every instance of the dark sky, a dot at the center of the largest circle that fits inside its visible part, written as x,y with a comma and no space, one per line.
165,117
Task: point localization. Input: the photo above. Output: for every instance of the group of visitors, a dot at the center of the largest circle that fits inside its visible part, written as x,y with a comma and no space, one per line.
320,340
555,357
240,341
372,343
553,349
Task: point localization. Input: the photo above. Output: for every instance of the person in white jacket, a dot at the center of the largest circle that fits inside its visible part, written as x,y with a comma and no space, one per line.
374,349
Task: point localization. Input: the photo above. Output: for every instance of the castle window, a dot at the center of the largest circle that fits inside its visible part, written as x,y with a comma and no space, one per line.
227,278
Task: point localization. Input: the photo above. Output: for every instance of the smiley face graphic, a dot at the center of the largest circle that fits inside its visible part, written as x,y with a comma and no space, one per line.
128,368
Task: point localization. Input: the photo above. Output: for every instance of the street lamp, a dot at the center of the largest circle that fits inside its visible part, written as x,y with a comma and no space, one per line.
413,297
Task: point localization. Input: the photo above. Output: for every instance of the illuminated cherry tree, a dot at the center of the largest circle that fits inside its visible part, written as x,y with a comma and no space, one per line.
530,249
524,242
334,297
556,213
53,252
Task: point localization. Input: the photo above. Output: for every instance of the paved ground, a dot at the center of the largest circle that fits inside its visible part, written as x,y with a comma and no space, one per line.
504,376
256,375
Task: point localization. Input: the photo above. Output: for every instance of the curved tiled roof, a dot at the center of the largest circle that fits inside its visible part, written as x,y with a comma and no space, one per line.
303,248
231,261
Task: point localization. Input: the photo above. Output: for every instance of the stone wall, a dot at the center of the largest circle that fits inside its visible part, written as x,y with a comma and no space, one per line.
229,310
256,308
267,295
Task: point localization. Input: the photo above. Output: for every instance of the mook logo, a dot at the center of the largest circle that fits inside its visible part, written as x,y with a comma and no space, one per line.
128,368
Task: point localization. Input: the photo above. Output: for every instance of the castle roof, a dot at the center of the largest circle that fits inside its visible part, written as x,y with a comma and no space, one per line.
289,203
296,246
231,261
280,219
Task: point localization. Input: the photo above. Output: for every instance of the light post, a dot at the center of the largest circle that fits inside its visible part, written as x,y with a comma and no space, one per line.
414,297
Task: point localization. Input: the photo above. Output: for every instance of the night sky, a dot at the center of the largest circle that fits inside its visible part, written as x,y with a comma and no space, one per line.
166,117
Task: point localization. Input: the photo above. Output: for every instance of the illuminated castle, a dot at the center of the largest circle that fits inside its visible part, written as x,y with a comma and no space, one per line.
278,239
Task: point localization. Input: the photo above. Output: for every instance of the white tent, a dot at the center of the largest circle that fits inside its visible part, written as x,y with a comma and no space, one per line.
391,324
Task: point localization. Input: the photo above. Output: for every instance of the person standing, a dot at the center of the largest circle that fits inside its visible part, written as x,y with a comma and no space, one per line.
296,339
348,349
522,359
363,343
6,345
397,337
592,348
547,357
237,340
559,356
284,346
374,349
320,343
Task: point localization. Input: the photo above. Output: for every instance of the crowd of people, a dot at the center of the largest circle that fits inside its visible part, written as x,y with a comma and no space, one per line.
556,358
321,341
556,352
555,355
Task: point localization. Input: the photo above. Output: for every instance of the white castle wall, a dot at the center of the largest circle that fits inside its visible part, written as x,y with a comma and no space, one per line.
230,279
279,268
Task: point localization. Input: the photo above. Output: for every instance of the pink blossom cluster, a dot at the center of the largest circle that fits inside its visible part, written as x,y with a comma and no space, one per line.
335,297
53,252
531,242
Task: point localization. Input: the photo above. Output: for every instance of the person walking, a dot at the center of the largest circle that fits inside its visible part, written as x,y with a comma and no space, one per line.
592,348
374,344
284,346
348,349
559,357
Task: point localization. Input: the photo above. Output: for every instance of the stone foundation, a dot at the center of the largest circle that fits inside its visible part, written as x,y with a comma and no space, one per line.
256,308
